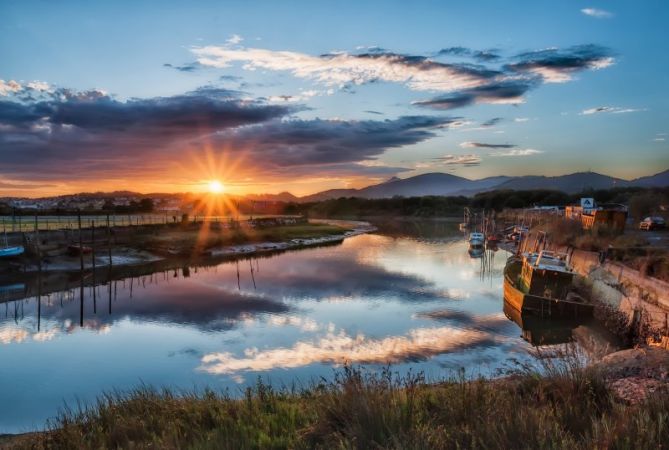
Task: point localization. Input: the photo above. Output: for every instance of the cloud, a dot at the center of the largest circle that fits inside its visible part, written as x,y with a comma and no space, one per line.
340,348
481,55
609,109
556,65
8,87
597,13
235,39
463,83
464,160
190,67
90,135
469,144
518,152
505,92
491,122
342,69
521,119
13,87
291,144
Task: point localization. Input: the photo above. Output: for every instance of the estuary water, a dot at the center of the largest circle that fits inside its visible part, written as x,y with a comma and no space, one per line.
411,298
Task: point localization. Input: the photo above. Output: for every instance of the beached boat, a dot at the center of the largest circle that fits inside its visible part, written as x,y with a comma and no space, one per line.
76,250
7,252
541,284
476,239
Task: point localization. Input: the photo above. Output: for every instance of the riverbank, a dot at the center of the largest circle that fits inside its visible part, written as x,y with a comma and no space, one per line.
555,403
153,243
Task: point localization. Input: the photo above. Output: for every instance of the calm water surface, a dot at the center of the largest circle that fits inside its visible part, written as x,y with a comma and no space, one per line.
418,303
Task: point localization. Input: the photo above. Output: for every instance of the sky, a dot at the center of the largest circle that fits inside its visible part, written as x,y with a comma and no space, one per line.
303,96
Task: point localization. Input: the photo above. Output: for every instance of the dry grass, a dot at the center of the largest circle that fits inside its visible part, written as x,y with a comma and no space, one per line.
558,405
201,237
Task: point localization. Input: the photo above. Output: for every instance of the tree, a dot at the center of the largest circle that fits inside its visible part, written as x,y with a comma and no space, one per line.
146,205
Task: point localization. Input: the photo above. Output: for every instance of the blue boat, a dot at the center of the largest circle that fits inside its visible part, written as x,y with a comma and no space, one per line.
6,252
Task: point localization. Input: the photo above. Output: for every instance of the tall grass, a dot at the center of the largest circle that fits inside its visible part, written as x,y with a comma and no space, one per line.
555,405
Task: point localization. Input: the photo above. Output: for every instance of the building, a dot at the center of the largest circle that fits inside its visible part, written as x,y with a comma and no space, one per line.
593,216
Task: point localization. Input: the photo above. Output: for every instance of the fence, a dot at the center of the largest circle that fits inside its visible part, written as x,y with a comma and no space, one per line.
43,223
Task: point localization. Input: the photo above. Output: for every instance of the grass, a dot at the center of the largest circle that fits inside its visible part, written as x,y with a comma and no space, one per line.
202,237
560,406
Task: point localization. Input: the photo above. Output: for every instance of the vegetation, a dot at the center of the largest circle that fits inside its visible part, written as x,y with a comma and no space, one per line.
642,201
189,236
558,406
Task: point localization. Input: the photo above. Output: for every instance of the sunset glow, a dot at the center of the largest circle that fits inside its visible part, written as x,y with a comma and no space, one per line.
216,187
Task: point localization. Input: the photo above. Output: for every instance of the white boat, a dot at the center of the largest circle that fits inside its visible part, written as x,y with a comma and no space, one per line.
476,239
6,252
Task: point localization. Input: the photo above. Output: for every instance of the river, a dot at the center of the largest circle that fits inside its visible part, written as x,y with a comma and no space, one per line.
411,298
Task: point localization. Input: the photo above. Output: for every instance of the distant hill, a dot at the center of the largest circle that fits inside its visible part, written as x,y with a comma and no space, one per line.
572,183
280,197
658,180
447,184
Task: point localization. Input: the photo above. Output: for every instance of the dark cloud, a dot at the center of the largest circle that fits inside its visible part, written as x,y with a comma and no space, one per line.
315,142
526,71
229,78
557,64
462,160
92,135
497,92
369,111
189,67
481,55
492,122
89,132
486,145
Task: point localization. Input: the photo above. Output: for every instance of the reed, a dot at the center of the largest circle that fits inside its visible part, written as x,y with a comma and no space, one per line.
554,404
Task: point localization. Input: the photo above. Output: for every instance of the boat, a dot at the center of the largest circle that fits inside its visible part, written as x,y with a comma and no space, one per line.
476,239
541,284
541,331
76,250
476,251
7,252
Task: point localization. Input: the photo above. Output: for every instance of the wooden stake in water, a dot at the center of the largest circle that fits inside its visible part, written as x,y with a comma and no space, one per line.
81,273
95,300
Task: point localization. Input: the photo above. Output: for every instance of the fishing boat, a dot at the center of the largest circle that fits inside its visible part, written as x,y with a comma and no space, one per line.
541,284
7,252
476,239
476,251
541,331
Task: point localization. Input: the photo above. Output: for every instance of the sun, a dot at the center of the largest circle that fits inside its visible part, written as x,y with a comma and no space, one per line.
216,187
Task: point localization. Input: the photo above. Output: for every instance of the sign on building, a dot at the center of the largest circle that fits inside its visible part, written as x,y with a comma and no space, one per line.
587,203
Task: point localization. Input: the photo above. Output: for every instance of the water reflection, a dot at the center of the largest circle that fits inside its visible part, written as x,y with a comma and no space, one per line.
539,331
416,302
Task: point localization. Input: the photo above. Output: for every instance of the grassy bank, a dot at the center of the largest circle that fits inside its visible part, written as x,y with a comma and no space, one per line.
567,407
206,236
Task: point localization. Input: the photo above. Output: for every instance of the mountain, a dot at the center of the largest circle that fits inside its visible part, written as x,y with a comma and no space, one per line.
572,183
658,180
330,193
447,184
280,197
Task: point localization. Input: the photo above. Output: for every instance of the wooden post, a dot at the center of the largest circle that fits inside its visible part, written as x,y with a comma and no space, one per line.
81,273
95,306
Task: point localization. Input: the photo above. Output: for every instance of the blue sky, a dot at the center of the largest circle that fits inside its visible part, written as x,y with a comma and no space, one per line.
592,92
